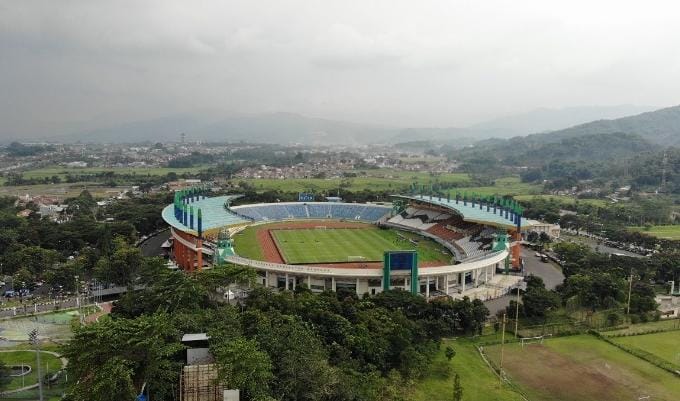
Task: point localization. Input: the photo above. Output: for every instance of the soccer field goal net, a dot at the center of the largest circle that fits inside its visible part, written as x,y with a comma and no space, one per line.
532,340
319,227
356,258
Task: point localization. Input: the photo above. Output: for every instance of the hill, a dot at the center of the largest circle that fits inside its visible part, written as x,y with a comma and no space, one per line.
529,152
661,127
546,119
283,128
287,128
534,121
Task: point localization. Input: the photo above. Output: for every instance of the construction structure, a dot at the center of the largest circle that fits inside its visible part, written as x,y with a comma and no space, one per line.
200,383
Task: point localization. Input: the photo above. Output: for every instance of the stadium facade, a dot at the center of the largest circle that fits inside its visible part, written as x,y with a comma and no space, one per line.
482,233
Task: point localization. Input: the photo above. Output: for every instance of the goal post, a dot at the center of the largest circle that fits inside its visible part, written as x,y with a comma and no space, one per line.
531,340
319,227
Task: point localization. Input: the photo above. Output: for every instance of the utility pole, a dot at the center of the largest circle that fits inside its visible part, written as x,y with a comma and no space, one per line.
500,368
664,163
517,312
630,290
33,338
80,320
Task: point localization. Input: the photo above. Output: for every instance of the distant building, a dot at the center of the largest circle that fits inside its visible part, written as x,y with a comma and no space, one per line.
553,230
50,211
182,184
25,213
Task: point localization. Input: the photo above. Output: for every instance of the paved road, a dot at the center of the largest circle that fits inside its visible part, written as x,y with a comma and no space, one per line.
549,272
602,248
152,246
27,308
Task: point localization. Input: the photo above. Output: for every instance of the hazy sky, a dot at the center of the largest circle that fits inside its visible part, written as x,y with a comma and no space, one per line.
406,63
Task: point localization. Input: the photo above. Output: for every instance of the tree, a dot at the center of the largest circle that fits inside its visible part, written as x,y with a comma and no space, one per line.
642,298
299,362
532,236
571,252
64,274
538,301
243,365
112,382
127,353
122,267
457,388
4,375
450,353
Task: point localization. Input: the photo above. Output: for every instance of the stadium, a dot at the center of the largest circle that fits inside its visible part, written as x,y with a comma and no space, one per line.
430,245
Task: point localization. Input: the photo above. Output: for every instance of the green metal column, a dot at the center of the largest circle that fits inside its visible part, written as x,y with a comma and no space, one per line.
386,271
415,284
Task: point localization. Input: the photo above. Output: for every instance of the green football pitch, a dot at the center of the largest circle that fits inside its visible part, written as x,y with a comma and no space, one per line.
335,245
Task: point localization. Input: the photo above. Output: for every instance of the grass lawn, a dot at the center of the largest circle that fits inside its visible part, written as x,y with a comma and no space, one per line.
664,232
477,379
664,345
396,182
565,200
503,186
248,246
377,180
335,245
61,171
47,361
640,328
62,190
583,368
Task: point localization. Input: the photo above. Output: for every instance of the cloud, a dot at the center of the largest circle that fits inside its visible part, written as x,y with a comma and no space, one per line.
433,62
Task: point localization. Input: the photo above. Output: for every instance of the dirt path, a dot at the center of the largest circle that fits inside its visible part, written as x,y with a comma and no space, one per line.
104,309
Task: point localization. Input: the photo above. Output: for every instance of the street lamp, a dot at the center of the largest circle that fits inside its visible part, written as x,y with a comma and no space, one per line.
33,338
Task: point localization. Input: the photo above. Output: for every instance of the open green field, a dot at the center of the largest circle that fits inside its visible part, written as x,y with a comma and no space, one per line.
335,245
476,377
664,345
395,182
247,244
422,159
47,361
641,328
377,180
141,171
664,232
503,186
583,368
62,190
565,200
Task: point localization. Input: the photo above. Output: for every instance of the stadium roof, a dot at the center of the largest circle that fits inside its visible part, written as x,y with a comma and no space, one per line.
215,216
469,213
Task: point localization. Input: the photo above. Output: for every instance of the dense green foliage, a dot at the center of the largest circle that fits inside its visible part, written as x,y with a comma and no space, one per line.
599,281
18,149
286,346
81,244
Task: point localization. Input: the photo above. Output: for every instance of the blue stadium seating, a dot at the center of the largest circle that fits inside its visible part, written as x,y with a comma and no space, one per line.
315,210
319,211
